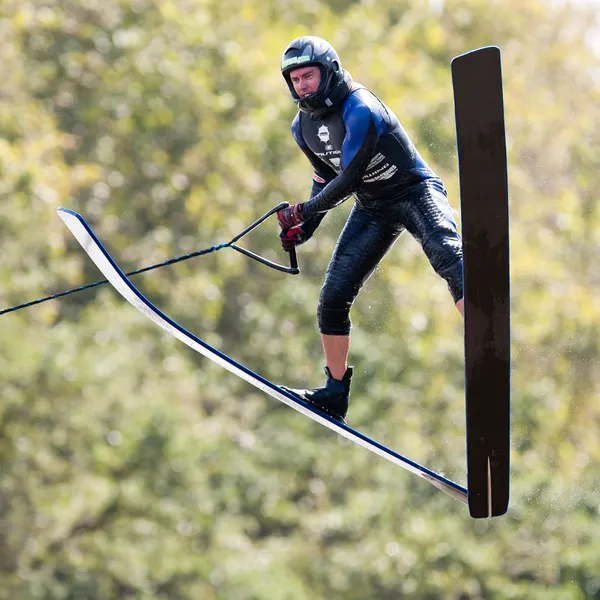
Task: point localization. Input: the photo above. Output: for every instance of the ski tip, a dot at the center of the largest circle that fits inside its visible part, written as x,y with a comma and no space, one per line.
61,210
477,52
70,218
68,212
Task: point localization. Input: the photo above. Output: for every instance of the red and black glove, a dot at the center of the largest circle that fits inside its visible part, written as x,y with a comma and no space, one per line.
292,237
290,216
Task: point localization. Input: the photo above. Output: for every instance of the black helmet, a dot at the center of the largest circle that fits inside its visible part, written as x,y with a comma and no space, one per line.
308,51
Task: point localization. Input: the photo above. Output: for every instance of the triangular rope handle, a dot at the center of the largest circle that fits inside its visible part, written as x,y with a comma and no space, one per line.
292,269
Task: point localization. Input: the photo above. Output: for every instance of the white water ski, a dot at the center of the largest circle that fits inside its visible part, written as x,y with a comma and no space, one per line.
96,251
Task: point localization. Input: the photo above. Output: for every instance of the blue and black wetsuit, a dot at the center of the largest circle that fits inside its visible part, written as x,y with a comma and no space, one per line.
362,149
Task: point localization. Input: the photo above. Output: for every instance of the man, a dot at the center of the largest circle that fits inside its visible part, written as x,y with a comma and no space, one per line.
356,145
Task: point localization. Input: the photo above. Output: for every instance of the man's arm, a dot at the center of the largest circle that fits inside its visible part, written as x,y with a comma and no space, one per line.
357,151
312,222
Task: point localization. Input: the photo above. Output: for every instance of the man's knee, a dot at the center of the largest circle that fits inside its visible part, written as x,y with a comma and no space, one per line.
334,321
454,278
444,251
451,270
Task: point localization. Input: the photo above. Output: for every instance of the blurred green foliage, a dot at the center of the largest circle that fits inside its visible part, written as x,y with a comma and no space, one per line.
132,467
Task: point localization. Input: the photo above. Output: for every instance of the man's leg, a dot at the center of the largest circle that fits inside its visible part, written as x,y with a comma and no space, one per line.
336,349
363,243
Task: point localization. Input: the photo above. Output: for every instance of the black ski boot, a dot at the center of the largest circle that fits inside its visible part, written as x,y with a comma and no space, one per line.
332,398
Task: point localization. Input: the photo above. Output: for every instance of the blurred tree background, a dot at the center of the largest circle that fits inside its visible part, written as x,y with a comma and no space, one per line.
134,468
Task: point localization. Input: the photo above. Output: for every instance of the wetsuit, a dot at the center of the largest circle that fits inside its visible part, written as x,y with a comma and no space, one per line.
362,149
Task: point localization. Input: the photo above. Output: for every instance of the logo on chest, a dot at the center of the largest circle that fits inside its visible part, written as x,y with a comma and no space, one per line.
324,136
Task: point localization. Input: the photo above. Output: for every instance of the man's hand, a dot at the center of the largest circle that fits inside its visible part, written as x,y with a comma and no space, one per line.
294,236
290,216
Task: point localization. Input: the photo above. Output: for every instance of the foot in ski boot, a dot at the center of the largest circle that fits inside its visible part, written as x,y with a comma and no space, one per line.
332,398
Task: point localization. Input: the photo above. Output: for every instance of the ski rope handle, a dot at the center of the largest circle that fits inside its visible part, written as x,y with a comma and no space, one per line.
292,269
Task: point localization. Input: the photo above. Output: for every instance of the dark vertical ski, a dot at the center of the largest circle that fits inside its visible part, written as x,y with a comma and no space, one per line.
477,82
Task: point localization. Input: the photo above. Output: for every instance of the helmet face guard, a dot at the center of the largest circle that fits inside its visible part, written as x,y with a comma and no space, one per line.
310,51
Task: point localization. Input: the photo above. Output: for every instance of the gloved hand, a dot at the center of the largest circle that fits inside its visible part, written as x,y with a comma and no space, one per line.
294,236
290,216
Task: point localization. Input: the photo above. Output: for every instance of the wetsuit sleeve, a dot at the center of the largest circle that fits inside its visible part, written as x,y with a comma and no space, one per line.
358,149
311,222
